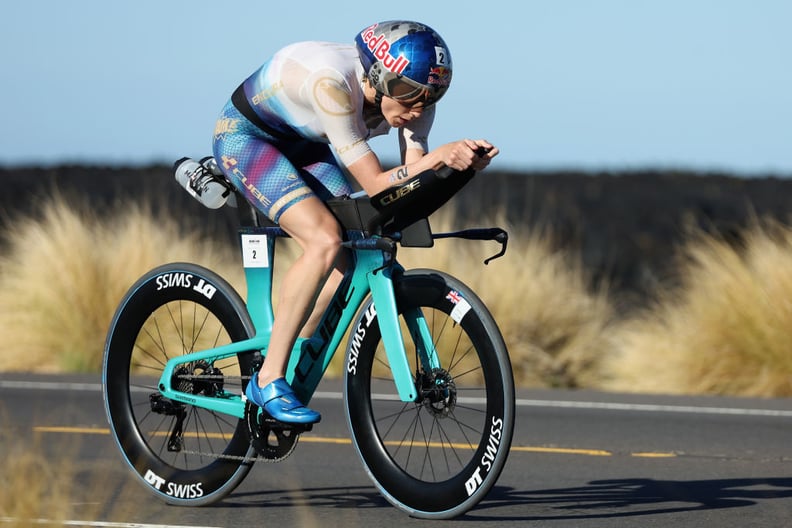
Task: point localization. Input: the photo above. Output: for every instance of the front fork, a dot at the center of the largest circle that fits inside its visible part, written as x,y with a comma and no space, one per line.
385,304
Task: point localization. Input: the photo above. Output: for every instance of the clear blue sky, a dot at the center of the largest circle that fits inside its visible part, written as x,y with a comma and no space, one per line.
588,84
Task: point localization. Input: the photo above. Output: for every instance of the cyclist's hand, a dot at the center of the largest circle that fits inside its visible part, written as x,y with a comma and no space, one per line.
464,154
484,151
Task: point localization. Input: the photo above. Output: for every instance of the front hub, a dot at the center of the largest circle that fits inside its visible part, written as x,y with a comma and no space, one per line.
438,392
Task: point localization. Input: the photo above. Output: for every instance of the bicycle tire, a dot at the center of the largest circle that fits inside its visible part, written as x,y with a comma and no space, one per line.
168,312
438,459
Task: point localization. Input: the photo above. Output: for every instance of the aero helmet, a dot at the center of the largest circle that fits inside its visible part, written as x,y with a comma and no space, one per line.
405,60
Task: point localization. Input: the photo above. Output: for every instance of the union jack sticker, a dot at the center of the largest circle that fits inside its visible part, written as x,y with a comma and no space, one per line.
454,296
461,306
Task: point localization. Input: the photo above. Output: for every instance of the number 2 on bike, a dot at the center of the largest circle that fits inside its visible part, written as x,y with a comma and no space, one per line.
428,391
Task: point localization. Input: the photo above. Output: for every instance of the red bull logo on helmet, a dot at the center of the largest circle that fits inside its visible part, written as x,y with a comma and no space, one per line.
440,76
380,48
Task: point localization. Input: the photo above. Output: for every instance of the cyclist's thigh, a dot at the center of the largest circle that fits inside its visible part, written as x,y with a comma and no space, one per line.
318,168
256,165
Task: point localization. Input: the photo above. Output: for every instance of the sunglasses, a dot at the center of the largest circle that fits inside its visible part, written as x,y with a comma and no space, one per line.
404,90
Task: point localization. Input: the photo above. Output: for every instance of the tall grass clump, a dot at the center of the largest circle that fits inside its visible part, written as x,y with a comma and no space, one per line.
64,272
725,329
554,320
44,481
31,486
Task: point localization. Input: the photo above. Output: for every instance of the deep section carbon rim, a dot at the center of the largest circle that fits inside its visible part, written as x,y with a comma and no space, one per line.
439,456
185,454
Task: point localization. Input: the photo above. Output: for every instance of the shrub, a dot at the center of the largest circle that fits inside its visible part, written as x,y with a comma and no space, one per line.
725,328
554,321
64,273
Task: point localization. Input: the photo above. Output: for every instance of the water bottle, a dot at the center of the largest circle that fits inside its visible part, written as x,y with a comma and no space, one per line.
210,164
201,181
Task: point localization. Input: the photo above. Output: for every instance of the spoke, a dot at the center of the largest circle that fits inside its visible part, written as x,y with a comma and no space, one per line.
472,409
177,325
414,428
454,364
217,335
443,433
198,329
154,432
462,426
157,341
427,443
451,362
397,414
443,438
148,367
396,417
465,373
140,387
220,420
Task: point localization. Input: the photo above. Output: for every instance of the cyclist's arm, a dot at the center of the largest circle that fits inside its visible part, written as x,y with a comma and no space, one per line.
333,105
459,155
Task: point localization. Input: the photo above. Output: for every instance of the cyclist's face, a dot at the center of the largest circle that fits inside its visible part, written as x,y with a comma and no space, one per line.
398,113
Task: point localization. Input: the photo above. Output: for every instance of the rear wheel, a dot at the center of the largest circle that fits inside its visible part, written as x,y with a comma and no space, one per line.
186,455
439,456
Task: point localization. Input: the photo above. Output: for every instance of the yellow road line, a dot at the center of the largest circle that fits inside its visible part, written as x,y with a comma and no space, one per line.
562,450
74,430
654,455
347,441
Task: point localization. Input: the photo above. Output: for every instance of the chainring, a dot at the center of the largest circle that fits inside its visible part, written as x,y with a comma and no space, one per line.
273,440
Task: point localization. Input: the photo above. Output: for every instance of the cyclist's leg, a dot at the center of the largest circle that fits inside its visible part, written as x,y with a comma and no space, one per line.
321,172
317,233
257,166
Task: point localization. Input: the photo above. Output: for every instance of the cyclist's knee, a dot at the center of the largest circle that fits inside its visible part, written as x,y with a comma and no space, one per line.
324,245
321,240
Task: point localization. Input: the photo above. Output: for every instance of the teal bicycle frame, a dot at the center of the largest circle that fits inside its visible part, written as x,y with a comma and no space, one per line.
370,272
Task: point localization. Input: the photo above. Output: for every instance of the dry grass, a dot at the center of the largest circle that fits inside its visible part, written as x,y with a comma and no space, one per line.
725,329
63,275
554,322
49,481
25,468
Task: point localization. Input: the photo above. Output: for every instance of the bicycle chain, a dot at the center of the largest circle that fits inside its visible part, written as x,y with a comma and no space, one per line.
218,377
236,458
242,458
223,457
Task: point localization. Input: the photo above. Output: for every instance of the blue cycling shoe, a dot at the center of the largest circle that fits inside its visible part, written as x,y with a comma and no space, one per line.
278,399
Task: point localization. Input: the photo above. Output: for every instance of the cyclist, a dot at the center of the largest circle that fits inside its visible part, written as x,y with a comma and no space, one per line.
295,133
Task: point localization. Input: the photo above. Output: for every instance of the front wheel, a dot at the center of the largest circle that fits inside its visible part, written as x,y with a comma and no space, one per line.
439,456
185,454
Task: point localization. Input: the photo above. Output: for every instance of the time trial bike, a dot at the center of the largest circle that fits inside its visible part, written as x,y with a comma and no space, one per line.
428,385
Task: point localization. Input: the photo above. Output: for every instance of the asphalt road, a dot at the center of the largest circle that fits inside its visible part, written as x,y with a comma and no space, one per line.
579,459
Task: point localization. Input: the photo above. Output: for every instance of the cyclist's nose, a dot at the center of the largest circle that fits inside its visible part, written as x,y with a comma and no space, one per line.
414,113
